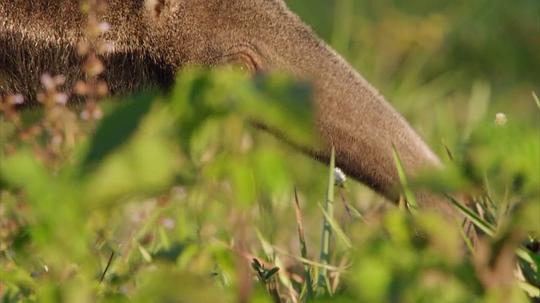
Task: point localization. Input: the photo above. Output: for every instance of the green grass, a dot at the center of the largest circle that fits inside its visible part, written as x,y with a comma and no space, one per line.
187,202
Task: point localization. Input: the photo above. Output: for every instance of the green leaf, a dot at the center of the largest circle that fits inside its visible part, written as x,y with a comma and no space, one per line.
117,128
285,107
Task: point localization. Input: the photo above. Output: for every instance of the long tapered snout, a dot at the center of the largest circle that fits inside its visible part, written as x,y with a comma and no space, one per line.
351,115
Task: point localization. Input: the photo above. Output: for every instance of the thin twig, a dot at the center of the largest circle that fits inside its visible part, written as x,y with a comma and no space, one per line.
109,262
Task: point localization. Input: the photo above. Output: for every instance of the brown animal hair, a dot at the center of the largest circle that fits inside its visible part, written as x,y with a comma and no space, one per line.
154,38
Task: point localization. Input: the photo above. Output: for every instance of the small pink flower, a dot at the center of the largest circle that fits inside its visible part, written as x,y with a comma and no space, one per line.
15,99
105,48
59,80
168,223
104,27
97,114
85,115
61,98
47,82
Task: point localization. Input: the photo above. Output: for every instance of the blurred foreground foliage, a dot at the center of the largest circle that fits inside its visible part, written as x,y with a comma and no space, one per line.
172,197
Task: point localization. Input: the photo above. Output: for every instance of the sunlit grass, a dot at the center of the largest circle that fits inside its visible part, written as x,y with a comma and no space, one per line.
176,197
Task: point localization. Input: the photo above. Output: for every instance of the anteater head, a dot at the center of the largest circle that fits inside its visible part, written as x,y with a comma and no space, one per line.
265,35
259,34
262,35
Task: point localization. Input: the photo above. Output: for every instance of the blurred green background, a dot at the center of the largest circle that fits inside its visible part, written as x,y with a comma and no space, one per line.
488,39
170,197
419,52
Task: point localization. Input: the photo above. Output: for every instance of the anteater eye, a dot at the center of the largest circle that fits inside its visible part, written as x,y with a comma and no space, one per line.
241,61
240,66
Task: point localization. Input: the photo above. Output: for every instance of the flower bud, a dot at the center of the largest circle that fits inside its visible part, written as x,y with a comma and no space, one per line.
500,119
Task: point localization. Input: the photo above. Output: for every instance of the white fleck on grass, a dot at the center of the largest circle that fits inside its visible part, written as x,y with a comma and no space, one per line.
339,177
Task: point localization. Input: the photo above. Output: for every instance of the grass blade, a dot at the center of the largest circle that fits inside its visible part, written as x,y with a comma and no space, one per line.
312,263
281,275
335,227
489,229
109,262
482,224
303,247
322,280
530,289
409,195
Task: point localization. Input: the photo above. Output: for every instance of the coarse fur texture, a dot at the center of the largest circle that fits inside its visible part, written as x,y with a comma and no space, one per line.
152,39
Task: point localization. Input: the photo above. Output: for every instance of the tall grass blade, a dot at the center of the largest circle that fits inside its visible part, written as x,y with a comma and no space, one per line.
322,280
335,227
490,230
479,222
465,238
314,264
409,195
308,284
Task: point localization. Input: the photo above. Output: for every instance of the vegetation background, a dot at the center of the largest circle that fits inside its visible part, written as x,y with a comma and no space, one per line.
170,198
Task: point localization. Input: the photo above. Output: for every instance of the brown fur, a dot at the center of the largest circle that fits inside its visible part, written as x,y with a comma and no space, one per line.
153,41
